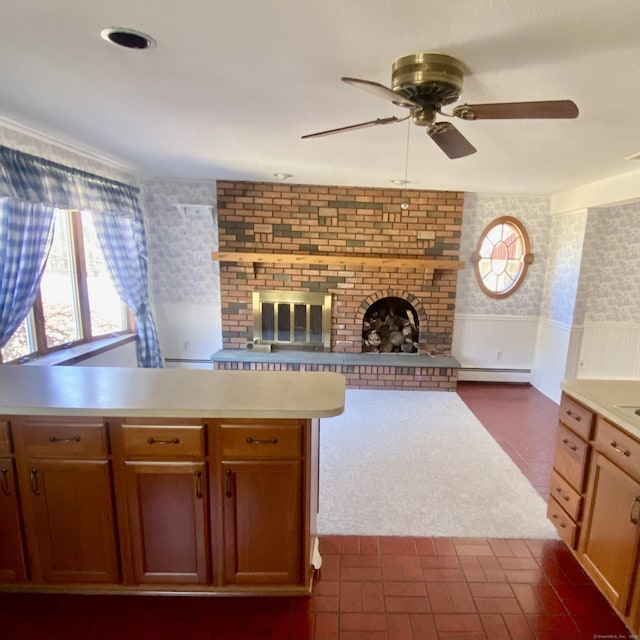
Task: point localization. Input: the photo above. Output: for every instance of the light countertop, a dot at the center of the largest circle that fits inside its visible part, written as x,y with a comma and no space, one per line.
612,399
180,393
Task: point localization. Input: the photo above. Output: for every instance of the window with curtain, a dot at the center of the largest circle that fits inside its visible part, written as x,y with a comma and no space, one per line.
58,286
77,301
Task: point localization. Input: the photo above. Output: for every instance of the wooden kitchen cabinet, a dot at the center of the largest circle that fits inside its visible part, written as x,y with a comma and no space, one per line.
609,546
595,501
262,522
570,467
12,558
164,483
166,505
122,475
66,495
262,502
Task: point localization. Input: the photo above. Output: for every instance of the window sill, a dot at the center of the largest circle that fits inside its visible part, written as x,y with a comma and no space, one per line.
81,352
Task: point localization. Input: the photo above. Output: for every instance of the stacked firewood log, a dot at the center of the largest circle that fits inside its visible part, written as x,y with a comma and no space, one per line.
384,331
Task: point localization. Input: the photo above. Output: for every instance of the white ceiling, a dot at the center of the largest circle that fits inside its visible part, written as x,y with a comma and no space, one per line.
231,87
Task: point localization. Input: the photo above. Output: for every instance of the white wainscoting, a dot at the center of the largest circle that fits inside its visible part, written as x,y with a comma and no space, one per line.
544,352
556,346
610,350
188,332
495,348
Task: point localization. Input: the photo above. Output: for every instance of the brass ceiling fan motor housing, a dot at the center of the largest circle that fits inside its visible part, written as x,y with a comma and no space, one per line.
430,79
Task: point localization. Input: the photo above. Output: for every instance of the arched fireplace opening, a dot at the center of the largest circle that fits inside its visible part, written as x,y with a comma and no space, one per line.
390,325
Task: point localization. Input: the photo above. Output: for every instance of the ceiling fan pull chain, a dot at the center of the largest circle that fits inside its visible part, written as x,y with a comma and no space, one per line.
405,205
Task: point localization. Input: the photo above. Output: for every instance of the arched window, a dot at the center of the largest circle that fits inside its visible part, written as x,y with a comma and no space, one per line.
502,257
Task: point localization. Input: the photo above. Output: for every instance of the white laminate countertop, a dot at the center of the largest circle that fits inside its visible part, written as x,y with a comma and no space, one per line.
612,399
180,393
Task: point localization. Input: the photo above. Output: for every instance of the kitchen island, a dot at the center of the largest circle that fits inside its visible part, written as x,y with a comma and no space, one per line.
145,480
595,487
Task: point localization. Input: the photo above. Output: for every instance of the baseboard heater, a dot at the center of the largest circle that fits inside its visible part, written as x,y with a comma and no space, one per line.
193,363
486,374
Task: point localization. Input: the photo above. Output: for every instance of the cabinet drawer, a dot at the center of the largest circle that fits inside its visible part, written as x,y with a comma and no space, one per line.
566,527
568,498
163,441
64,439
576,417
620,448
5,442
570,459
260,441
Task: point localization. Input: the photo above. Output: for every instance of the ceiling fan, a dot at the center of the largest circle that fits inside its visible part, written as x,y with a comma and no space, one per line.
425,82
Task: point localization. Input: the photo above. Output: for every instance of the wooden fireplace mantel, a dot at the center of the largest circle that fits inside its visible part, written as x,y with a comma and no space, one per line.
428,264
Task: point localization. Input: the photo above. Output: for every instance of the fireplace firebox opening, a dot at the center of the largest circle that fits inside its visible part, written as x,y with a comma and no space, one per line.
390,325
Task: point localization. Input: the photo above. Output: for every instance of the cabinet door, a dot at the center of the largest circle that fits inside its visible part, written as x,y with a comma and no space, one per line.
70,507
12,565
609,547
262,514
166,504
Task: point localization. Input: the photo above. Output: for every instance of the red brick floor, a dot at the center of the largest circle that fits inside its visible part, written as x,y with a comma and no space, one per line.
522,420
377,588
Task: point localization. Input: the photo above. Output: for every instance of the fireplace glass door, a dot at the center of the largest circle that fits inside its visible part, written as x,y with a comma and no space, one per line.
292,320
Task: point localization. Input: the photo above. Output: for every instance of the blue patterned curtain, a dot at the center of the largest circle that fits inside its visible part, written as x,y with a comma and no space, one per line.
33,179
26,232
114,205
124,247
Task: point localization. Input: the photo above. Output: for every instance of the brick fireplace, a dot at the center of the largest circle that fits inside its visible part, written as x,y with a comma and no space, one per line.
387,252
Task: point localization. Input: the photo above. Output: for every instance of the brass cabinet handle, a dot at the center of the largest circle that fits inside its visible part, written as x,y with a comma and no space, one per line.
570,445
152,440
562,524
635,519
227,483
564,497
5,481
198,476
251,440
624,452
576,418
71,439
35,486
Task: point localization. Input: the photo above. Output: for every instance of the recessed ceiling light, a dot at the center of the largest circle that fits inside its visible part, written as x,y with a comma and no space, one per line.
282,176
400,183
128,38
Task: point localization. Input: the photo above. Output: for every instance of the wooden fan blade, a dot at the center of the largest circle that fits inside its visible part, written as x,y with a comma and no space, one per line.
353,127
515,110
383,92
450,140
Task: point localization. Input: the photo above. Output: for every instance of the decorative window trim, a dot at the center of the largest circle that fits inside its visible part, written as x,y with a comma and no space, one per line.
525,258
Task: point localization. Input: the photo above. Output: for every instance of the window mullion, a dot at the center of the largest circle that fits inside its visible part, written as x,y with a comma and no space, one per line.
39,325
81,294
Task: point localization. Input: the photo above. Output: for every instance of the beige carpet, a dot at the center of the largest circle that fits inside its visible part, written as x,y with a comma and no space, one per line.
419,463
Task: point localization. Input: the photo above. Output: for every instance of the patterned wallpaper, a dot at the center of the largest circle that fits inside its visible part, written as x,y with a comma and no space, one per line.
600,285
563,267
479,210
180,265
609,285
